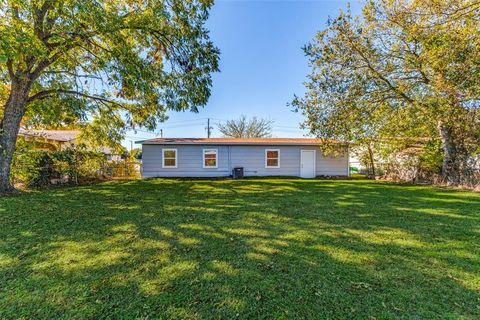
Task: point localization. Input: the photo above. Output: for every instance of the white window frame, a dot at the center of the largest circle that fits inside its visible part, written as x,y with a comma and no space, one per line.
266,162
163,157
216,158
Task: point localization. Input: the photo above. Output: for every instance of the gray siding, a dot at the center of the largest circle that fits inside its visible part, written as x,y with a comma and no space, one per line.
189,162
252,158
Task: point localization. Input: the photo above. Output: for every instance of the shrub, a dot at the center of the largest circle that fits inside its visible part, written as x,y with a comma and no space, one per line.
42,168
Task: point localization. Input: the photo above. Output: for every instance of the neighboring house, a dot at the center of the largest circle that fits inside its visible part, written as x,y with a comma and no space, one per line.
216,157
60,140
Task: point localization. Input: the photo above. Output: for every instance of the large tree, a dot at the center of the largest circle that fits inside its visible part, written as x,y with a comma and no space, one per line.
246,128
401,69
111,64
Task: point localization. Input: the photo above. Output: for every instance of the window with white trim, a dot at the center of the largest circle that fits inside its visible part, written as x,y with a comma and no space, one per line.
210,158
169,158
272,158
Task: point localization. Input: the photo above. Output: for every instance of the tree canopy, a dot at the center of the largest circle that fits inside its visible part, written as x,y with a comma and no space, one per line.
402,69
106,65
246,128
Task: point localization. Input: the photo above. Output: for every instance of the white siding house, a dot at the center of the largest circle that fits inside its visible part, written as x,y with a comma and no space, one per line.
216,157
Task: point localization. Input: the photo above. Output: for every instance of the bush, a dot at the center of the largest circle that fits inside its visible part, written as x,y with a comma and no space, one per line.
43,168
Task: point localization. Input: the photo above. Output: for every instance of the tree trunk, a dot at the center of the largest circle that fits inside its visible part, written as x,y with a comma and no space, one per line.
372,161
14,110
450,167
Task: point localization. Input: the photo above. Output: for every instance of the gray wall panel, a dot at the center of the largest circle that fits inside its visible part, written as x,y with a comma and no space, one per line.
252,158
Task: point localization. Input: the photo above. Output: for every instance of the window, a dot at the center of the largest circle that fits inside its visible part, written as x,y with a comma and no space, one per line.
272,158
210,158
169,158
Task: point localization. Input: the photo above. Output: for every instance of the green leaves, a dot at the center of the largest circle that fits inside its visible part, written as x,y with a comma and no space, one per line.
396,71
128,60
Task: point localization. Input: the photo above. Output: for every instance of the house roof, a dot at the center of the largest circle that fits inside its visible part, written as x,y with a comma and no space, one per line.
55,135
60,136
236,141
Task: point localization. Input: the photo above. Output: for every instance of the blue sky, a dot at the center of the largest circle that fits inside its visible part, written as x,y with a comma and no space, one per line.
262,65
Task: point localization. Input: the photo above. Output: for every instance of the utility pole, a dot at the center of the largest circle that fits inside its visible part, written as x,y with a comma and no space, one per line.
131,145
160,132
208,128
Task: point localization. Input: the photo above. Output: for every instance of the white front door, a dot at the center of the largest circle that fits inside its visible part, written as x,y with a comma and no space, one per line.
307,164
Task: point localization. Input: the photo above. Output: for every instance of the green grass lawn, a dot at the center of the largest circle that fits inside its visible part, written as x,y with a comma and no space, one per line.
256,249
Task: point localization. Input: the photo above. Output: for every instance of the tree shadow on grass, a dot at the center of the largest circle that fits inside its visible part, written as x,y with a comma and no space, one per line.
241,249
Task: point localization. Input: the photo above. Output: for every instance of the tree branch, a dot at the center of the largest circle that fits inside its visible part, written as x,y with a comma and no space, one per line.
379,75
74,74
47,62
47,93
11,72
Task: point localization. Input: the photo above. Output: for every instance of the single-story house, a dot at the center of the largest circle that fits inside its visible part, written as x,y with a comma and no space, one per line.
217,157
60,140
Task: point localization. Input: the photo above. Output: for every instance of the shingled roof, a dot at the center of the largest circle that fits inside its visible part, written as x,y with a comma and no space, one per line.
54,135
238,141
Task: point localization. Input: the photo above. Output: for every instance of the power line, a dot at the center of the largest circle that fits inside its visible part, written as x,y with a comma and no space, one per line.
208,128
181,121
221,120
287,130
168,127
181,125
139,130
137,138
288,127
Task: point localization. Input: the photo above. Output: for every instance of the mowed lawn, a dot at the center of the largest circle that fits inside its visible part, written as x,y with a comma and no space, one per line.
247,249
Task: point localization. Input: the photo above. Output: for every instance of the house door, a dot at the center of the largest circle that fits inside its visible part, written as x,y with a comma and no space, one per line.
307,164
